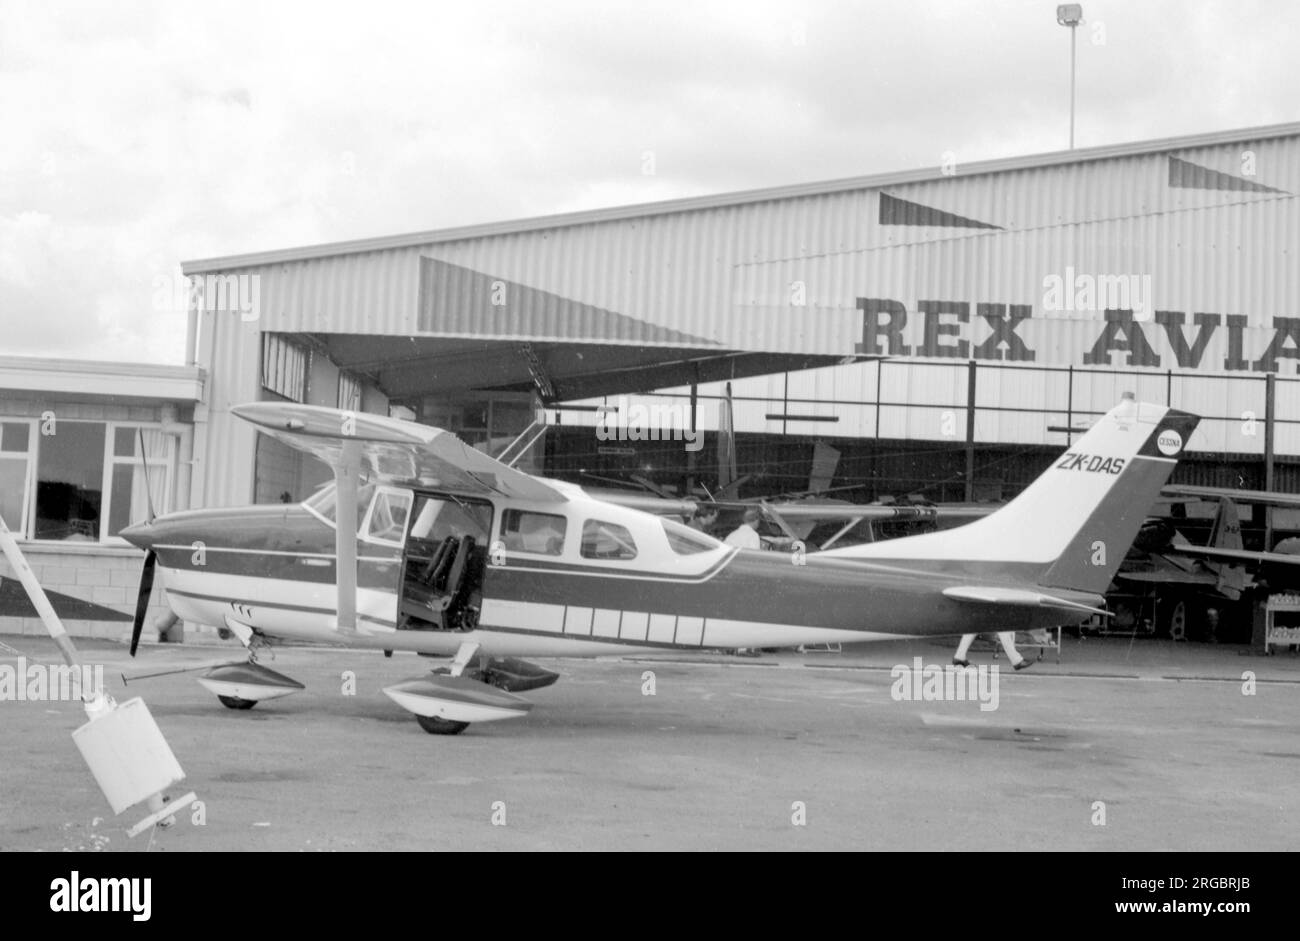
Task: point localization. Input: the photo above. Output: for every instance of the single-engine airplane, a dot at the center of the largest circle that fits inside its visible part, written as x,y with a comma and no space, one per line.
424,544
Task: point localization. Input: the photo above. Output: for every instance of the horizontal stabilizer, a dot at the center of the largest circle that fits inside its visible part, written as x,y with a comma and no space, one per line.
1170,577
1019,597
1266,497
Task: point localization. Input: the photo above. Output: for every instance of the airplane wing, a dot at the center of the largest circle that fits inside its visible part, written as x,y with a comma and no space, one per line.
811,511
833,512
1241,496
1170,577
814,511
1016,597
396,451
645,502
1213,554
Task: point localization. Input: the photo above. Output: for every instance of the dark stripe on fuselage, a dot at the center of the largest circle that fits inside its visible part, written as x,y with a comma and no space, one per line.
550,566
308,567
280,542
278,605
767,587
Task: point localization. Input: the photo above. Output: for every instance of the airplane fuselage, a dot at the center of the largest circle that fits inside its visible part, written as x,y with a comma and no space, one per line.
272,569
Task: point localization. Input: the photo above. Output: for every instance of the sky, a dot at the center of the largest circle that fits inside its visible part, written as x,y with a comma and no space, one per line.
135,136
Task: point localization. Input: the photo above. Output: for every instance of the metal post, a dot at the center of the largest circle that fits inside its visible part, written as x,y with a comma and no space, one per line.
785,406
1270,415
691,467
1073,29
1069,408
875,447
970,432
880,369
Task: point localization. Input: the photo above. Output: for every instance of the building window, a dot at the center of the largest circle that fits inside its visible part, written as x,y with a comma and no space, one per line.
284,368
15,468
139,465
349,392
84,482
70,482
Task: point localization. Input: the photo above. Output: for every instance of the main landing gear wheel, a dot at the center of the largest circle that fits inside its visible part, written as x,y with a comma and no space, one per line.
234,702
436,726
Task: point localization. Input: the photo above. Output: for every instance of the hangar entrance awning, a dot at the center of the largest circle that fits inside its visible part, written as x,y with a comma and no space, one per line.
410,367
477,331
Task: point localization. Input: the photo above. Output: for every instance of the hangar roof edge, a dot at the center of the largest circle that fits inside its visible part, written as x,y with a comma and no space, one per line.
95,378
693,203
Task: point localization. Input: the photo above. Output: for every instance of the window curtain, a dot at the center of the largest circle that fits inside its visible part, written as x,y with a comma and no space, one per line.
157,452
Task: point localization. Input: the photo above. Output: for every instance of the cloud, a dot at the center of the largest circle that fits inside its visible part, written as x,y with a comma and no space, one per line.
142,136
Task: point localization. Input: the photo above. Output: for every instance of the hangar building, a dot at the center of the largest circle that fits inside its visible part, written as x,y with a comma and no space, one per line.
1011,296
942,329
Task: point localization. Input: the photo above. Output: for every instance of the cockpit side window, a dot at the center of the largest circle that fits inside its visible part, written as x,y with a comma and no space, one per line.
538,533
608,541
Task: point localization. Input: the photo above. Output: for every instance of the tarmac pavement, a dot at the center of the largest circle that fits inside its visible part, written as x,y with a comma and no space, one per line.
1124,745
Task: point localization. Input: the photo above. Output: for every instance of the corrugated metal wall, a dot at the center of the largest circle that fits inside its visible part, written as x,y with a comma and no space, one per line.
724,273
1222,237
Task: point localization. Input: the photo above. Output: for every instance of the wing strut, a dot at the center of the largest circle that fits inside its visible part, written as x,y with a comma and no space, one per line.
347,477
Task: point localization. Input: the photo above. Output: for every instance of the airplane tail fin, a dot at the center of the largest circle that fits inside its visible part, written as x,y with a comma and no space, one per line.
727,450
1070,528
1141,443
1227,526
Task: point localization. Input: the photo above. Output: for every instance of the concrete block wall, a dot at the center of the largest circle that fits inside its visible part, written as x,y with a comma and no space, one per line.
104,575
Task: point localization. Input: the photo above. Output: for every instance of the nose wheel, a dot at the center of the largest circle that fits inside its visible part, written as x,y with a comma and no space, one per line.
436,726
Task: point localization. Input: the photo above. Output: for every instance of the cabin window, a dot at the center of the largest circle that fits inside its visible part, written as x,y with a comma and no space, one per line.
437,518
607,541
538,533
686,541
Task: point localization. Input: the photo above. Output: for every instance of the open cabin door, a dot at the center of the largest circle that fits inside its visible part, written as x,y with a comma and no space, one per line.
445,560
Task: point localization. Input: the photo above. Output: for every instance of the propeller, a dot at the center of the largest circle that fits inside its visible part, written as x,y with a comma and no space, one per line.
142,599
150,558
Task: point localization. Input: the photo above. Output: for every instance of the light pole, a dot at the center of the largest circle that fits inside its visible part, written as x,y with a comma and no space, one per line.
1071,15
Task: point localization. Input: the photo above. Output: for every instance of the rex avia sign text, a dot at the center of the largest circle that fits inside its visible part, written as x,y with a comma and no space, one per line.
1007,332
